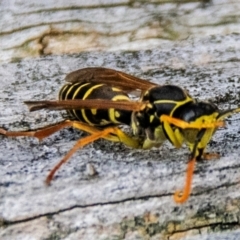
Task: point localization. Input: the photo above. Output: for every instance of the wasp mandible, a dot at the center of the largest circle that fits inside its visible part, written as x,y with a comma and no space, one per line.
97,101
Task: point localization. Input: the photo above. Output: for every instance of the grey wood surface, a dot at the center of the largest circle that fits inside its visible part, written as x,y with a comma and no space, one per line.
131,196
36,28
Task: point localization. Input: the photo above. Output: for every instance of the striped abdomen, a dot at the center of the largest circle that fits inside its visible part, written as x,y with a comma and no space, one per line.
96,117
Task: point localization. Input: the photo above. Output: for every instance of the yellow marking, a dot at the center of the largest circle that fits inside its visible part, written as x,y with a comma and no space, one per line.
79,89
146,93
71,88
177,103
111,111
76,93
94,111
116,89
209,121
104,122
88,92
151,118
117,114
190,130
172,134
62,90
134,127
120,97
111,115
164,101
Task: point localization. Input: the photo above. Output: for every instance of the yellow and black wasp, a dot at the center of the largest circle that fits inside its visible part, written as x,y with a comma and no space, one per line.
97,101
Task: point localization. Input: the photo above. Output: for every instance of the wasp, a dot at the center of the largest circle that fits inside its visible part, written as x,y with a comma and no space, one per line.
98,101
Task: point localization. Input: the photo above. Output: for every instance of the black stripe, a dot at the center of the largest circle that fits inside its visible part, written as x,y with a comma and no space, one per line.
101,92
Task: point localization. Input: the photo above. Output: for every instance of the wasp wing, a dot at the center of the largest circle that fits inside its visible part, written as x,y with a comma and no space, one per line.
85,104
111,77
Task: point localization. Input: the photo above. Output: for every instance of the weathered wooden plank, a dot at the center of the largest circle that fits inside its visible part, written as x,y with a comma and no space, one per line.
131,197
29,28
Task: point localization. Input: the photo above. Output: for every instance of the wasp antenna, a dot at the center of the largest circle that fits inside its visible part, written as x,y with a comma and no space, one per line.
80,143
227,113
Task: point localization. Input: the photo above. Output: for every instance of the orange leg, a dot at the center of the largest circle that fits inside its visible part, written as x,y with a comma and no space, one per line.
80,143
40,133
49,130
110,133
182,196
119,136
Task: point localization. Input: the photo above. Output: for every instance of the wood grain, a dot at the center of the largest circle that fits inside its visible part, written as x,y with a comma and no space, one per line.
131,196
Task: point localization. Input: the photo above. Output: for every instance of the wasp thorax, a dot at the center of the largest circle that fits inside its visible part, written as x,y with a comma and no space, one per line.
166,98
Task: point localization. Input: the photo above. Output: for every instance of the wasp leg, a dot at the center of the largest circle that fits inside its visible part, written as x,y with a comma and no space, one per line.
182,124
105,133
182,196
49,130
174,135
39,133
116,136
111,134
